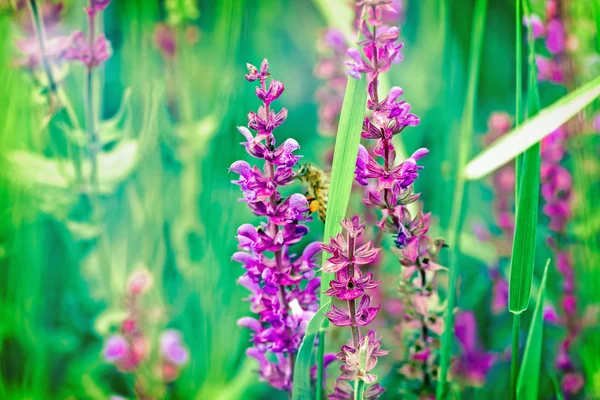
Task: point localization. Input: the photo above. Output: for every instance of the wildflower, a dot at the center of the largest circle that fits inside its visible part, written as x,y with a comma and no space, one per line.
349,285
392,191
116,348
91,51
90,56
55,50
283,286
172,349
472,366
130,350
139,282
164,40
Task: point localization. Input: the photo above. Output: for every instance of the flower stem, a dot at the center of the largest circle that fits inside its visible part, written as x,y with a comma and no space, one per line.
38,24
352,303
424,334
89,102
514,360
274,229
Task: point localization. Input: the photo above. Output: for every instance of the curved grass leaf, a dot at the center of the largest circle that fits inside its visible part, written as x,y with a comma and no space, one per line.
302,389
529,377
532,131
342,176
464,150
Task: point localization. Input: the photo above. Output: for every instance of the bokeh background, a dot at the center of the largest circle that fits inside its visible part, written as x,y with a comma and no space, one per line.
165,200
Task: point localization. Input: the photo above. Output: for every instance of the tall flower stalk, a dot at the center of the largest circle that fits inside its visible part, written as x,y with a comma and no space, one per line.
393,192
556,183
283,286
92,52
359,355
131,350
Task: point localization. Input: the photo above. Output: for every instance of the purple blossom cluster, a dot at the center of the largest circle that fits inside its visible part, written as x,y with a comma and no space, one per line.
552,68
283,285
556,181
392,191
350,286
130,348
422,321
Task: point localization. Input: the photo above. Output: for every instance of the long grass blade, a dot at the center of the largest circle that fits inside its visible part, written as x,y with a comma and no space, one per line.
523,250
464,150
532,131
529,377
527,198
342,176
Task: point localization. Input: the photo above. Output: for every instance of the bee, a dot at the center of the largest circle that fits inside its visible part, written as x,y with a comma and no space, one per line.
317,182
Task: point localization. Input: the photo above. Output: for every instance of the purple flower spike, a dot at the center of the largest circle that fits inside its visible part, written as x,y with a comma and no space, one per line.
283,287
348,286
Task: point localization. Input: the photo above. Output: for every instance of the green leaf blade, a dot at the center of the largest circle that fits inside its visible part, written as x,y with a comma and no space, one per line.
529,376
342,176
531,131
301,388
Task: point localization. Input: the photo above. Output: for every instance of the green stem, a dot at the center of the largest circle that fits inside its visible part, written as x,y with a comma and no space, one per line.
456,221
518,89
514,360
89,102
38,23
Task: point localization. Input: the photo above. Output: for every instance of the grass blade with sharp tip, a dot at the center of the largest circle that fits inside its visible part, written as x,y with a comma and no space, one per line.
466,133
342,176
527,198
532,131
529,377
301,389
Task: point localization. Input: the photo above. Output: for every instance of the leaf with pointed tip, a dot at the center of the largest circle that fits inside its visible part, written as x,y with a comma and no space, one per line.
302,388
529,377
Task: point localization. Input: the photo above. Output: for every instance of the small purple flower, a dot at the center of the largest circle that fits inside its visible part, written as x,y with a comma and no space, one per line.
90,57
115,349
556,37
172,349
364,314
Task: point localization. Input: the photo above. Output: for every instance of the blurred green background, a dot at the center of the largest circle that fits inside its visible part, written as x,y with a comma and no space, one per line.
165,199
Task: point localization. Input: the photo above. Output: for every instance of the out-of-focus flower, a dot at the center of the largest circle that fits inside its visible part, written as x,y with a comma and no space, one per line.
172,349
139,282
164,40
116,348
81,51
55,50
472,365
